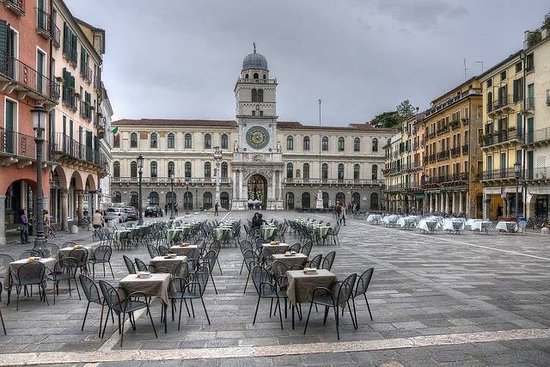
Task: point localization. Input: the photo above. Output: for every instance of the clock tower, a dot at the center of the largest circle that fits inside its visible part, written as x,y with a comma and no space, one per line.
257,159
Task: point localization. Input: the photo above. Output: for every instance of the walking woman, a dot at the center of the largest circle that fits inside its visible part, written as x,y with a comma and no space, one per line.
24,223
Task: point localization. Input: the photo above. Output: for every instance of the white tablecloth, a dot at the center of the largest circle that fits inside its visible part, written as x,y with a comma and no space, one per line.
451,224
374,218
509,227
428,225
390,220
480,225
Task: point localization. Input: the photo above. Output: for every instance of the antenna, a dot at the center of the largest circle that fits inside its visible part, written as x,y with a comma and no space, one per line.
465,70
320,111
480,62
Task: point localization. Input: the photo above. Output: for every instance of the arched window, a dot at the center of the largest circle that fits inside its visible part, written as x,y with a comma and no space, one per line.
117,197
264,77
187,200
289,170
289,201
341,144
134,199
171,141
374,201
289,143
254,95
133,169
356,145
356,200
207,170
207,141
341,171
306,200
306,143
224,200
324,171
324,145
246,76
116,141
187,169
375,145
133,140
356,171
225,142
375,172
255,75
207,200
260,95
306,171
171,168
188,141
154,169
224,169
171,199
341,198
154,198
325,199
154,140
116,169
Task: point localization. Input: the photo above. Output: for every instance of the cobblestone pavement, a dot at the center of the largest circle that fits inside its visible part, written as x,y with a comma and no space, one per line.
437,300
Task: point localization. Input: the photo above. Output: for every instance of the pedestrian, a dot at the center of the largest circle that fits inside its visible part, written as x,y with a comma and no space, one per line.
343,214
338,212
216,207
24,226
47,222
97,220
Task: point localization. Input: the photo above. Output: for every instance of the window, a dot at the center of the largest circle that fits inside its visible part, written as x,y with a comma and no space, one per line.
207,200
154,198
289,170
133,169
188,141
356,171
289,143
133,140
306,143
207,141
518,90
171,168
374,201
306,171
187,169
224,169
324,171
117,197
341,144
518,67
375,145
356,145
154,169
260,95
503,75
254,95
324,144
375,172
116,169
116,141
489,83
306,200
255,76
225,142
341,171
207,170
134,199
154,140
171,141
529,62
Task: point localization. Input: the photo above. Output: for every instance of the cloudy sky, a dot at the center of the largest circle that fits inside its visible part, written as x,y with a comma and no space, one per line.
181,58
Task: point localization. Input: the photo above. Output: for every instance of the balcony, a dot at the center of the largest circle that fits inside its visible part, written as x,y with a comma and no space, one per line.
501,106
453,100
85,110
43,22
442,155
55,36
539,175
14,146
178,182
501,137
332,181
458,179
455,152
465,149
71,150
503,174
537,138
16,6
86,73
257,81
442,129
529,108
20,77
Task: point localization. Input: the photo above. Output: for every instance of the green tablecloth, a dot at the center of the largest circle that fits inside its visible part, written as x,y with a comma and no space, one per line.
222,233
268,232
321,231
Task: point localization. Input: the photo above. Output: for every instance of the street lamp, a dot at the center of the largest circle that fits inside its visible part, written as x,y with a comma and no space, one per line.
140,199
39,123
172,195
517,173
218,155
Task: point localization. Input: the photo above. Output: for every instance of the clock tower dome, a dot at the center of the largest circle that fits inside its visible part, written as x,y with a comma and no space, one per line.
257,159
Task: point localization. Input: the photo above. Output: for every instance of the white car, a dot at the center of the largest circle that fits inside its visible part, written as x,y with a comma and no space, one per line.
116,213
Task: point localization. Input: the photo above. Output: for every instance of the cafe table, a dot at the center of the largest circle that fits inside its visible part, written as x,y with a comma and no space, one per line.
184,249
507,226
155,285
290,260
480,225
48,262
222,233
174,234
167,262
301,285
268,231
80,251
278,248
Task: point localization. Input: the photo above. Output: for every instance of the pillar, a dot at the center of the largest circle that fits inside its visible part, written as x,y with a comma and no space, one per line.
460,202
235,196
64,209
2,220
485,206
80,203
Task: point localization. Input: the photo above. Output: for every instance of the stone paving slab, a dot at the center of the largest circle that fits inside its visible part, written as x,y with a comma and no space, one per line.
424,286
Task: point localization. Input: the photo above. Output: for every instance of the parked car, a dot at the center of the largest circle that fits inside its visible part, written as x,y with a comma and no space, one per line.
153,211
116,213
131,212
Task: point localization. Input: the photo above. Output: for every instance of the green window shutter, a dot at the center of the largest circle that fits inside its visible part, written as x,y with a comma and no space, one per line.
66,38
3,46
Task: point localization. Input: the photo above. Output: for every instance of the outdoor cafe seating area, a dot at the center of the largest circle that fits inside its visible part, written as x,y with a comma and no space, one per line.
282,261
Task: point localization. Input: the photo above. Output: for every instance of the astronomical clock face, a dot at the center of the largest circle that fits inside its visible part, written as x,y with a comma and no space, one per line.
257,137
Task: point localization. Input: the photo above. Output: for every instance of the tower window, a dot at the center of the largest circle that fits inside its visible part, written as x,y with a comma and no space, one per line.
265,77
254,95
255,75
260,95
246,76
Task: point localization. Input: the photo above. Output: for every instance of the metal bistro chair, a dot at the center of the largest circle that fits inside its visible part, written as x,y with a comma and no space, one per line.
2,319
316,261
194,288
129,264
338,297
361,289
328,260
5,261
102,255
91,291
64,269
33,273
210,260
153,251
133,302
250,260
265,289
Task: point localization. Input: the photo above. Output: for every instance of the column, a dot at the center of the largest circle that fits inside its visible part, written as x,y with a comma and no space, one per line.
241,194
80,203
453,202
235,197
460,202
64,209
2,220
485,206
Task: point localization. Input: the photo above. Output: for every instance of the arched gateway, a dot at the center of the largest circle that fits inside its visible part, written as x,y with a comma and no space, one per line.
257,189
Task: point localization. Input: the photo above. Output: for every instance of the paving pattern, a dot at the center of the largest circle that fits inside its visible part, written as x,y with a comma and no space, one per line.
437,300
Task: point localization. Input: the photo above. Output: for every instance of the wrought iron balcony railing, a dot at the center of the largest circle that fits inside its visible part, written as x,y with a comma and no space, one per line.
16,6
501,137
71,148
498,174
332,181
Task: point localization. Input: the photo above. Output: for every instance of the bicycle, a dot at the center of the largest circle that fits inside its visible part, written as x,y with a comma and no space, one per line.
51,230
84,222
